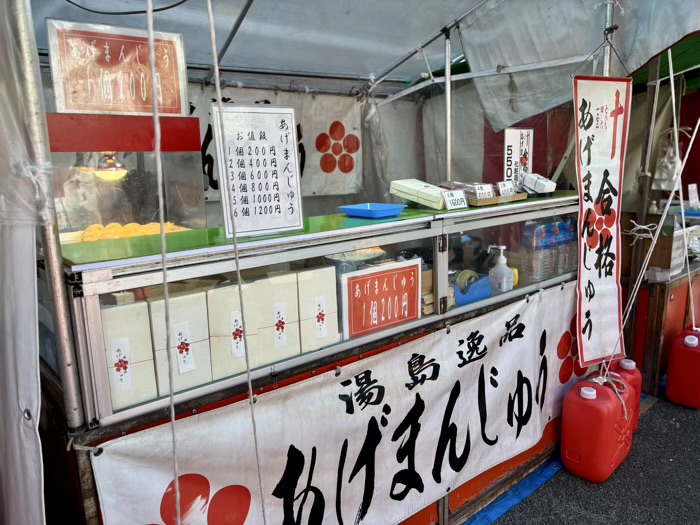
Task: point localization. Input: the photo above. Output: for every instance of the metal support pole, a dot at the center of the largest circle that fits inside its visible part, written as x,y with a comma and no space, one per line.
229,38
644,188
448,105
40,156
607,50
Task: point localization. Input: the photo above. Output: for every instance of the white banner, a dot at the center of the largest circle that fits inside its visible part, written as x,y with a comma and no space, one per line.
602,117
328,131
373,444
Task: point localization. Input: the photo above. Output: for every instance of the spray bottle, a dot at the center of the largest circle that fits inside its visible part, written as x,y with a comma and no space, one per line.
500,276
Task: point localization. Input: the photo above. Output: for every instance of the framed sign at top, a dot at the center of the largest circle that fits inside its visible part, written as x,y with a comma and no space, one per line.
98,68
260,172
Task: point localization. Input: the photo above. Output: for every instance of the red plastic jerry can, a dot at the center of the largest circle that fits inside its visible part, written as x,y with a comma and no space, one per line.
596,437
683,380
627,369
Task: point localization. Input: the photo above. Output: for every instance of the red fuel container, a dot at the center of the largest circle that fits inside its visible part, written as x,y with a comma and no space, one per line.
596,437
683,380
627,369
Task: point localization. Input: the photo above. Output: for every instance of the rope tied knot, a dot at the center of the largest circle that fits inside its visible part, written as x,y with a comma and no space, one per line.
641,231
617,385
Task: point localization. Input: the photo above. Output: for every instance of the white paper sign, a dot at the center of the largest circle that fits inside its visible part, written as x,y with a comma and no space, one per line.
121,363
321,321
237,335
506,188
408,409
517,155
261,182
693,196
183,342
602,114
279,320
455,200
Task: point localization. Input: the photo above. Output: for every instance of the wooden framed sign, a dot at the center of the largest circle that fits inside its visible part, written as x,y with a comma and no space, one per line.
381,297
98,68
260,173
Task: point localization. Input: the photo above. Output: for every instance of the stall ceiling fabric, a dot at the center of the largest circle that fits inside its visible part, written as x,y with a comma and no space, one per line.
357,37
514,33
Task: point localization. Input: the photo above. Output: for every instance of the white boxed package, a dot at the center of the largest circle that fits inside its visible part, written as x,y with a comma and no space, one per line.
418,191
538,183
129,353
189,341
278,328
318,308
197,369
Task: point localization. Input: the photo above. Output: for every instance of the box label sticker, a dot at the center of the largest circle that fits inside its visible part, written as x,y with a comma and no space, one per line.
121,363
321,322
237,335
185,356
280,323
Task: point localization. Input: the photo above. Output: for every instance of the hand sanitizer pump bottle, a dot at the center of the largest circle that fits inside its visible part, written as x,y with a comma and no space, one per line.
500,276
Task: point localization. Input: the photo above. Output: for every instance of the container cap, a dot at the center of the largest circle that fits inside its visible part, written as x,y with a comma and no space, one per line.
628,364
588,393
691,341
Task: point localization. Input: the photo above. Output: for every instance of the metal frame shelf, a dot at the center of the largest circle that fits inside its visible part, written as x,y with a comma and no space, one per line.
86,313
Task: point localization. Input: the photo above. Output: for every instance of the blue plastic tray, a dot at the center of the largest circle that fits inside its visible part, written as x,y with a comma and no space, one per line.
373,210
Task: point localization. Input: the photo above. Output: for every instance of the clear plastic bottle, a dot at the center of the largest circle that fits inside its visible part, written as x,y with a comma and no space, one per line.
572,245
501,276
535,256
552,248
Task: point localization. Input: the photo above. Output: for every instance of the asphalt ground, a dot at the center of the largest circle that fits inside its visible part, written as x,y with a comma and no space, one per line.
659,482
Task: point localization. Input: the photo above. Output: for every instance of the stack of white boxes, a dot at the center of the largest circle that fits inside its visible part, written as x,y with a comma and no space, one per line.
127,339
226,329
189,342
278,321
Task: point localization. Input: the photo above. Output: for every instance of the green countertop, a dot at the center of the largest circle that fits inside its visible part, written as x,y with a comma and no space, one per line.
83,253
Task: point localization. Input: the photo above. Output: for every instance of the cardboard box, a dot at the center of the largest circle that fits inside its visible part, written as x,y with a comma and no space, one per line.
418,191
668,253
318,308
129,354
199,374
227,359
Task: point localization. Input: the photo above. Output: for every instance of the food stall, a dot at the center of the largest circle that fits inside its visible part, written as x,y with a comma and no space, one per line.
275,360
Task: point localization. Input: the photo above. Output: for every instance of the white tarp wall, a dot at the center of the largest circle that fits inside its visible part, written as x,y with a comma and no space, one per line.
21,204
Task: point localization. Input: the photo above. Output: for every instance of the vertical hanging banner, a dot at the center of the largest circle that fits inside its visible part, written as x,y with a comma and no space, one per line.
602,121
261,182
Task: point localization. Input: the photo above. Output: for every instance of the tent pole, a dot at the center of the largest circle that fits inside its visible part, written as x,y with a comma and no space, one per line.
229,38
41,158
384,74
448,105
607,50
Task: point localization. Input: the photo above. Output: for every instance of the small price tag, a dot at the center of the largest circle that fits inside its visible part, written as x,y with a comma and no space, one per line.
693,196
455,199
506,188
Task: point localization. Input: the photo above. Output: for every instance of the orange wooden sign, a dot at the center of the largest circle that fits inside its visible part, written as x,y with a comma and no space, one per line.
378,298
106,69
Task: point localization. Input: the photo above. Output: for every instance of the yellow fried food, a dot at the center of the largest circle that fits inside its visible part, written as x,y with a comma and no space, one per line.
132,225
113,227
94,228
91,236
110,236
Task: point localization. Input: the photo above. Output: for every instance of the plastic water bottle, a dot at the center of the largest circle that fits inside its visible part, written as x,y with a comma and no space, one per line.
536,258
552,248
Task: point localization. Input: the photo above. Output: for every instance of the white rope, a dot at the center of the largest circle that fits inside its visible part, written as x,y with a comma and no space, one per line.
220,124
427,65
163,246
641,231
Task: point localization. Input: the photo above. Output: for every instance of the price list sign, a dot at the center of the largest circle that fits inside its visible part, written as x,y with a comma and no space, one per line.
260,172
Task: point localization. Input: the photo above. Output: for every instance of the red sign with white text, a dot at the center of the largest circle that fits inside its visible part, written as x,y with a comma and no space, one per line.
104,69
378,298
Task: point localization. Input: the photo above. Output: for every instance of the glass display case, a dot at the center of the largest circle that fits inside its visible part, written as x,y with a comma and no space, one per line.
339,285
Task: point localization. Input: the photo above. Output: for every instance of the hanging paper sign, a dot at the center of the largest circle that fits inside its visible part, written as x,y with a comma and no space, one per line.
260,174
377,298
602,121
517,155
98,68
693,196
